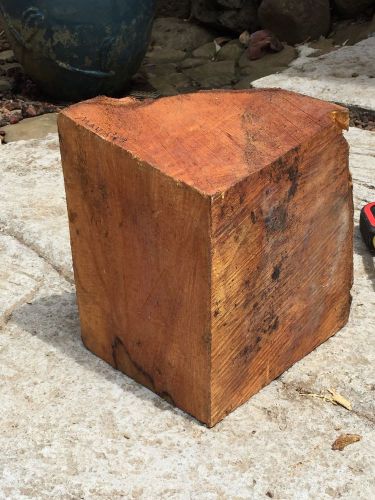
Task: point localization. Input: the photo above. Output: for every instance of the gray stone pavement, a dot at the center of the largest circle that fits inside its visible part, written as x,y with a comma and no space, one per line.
346,75
72,427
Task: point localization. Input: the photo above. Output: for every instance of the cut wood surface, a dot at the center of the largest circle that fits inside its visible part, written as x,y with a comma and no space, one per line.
211,237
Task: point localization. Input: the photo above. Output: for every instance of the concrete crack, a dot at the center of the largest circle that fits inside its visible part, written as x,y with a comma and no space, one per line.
363,183
28,297
18,237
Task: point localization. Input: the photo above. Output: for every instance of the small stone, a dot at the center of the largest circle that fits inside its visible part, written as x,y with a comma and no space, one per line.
151,70
322,46
162,56
172,33
29,111
12,69
192,62
170,83
213,74
7,56
267,65
231,51
11,105
5,85
207,51
244,83
15,117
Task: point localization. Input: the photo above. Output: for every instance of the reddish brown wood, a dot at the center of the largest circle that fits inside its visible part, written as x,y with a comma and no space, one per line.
211,237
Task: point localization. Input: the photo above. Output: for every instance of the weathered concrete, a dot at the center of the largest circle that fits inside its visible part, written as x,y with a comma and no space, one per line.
31,128
72,427
345,75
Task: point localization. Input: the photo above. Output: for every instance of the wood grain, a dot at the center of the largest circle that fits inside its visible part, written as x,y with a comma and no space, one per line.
211,237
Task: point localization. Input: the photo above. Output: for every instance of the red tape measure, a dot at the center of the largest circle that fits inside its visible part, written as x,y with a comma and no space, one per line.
367,225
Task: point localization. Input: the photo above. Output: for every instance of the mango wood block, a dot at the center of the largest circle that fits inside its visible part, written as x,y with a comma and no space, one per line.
211,237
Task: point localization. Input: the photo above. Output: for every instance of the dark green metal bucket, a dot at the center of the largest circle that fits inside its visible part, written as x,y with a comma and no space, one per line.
74,49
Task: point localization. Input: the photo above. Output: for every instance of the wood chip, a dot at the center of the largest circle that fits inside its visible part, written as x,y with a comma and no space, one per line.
334,397
340,400
345,440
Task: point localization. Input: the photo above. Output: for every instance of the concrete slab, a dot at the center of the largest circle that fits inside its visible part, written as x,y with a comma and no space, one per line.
72,427
345,75
31,128
32,204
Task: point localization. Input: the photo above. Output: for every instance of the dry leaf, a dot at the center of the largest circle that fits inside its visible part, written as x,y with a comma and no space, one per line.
345,440
340,400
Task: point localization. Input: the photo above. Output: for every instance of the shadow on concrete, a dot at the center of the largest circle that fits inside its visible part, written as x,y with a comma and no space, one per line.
55,321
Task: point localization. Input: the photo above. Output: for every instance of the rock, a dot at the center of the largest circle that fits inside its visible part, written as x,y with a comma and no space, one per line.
12,104
322,46
294,21
351,8
15,116
192,62
173,8
261,42
150,71
5,85
172,84
11,69
162,56
231,51
213,74
172,33
7,56
349,33
236,15
207,51
269,64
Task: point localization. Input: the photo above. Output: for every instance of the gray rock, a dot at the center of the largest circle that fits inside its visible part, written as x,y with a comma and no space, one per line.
350,8
213,74
267,65
236,15
11,69
231,51
162,56
349,33
166,79
7,56
151,70
207,51
192,62
173,8
5,85
172,33
294,21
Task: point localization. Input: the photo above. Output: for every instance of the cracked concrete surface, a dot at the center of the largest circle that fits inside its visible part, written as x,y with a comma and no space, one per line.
72,427
345,75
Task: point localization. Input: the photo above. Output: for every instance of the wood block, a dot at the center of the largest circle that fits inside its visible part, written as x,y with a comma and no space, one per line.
211,237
